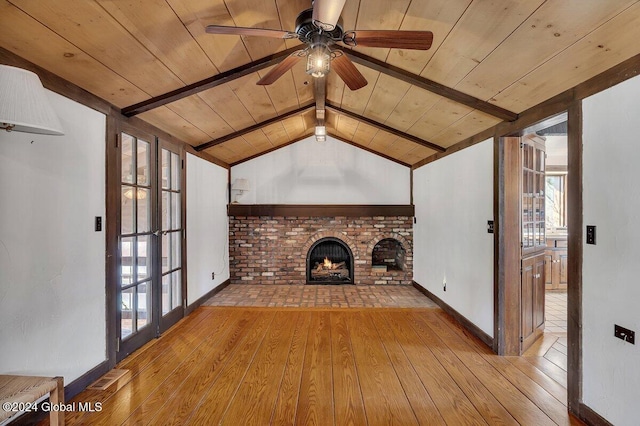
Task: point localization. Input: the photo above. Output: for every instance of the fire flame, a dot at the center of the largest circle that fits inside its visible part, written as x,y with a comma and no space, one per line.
327,263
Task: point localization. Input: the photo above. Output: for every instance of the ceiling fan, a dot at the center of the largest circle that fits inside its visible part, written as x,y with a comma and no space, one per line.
320,28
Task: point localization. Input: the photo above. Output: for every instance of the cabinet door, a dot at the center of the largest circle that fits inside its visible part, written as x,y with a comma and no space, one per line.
539,274
548,265
526,303
563,265
532,299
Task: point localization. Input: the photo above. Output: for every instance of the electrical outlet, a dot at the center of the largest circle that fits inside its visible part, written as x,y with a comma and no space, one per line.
624,334
98,224
591,234
213,275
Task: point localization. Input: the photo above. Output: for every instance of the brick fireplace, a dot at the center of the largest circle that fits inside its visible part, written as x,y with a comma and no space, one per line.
278,249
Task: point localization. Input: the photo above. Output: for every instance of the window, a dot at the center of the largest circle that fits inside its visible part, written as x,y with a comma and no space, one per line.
556,198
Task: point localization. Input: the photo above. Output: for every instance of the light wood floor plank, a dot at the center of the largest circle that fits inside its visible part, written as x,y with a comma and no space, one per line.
139,361
423,406
116,409
521,408
256,397
550,369
554,388
557,357
198,367
186,397
214,404
484,401
315,404
349,406
328,367
452,403
384,398
287,401
537,394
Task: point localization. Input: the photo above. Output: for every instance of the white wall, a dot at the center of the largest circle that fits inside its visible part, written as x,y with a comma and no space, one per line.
611,291
331,172
454,200
52,263
207,227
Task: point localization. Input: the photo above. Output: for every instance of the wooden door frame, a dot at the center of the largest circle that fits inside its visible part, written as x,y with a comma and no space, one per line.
507,247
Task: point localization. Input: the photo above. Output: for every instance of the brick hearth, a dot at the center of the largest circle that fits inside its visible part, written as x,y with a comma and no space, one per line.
273,249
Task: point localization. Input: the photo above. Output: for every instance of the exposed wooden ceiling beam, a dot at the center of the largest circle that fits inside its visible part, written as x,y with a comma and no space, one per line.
207,83
386,128
430,85
257,126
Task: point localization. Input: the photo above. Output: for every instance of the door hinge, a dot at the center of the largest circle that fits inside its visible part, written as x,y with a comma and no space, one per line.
521,144
118,345
183,163
117,140
521,339
184,303
158,330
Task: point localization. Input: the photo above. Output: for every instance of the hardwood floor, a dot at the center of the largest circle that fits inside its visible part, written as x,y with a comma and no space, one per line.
259,366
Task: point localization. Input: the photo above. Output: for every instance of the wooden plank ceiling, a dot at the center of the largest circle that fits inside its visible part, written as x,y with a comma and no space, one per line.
511,54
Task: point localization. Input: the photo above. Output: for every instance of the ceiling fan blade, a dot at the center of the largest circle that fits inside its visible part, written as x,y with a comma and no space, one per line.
326,13
348,72
284,66
260,32
418,40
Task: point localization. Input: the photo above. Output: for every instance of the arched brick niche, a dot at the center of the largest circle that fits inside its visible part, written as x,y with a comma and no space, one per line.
274,249
388,254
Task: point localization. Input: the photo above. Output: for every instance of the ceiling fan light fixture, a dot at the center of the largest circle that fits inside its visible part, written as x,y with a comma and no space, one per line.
321,133
319,60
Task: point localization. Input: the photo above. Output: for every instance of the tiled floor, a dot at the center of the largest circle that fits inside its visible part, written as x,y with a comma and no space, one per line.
556,312
553,346
334,296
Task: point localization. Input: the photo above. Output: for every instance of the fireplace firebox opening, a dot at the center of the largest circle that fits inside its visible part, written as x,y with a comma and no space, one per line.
388,255
329,261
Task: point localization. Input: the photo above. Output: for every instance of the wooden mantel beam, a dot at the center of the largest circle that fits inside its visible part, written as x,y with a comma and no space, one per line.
257,126
430,85
207,83
386,128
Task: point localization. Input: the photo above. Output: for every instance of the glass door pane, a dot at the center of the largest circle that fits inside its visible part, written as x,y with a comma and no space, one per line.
171,222
136,250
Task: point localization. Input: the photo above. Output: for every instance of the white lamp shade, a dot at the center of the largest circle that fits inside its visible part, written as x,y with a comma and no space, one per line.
326,13
240,185
24,103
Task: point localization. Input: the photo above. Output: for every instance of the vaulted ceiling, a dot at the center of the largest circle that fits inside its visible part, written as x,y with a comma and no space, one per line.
490,60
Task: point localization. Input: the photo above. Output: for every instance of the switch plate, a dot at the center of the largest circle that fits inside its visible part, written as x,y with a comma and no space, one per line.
98,224
490,226
624,334
591,234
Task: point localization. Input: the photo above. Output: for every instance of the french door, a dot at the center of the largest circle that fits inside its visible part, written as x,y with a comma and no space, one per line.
150,292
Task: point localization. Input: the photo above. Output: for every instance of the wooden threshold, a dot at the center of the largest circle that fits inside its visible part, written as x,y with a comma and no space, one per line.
321,210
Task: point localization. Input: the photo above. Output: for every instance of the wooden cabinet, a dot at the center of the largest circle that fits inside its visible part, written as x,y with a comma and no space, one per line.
556,263
532,298
533,241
